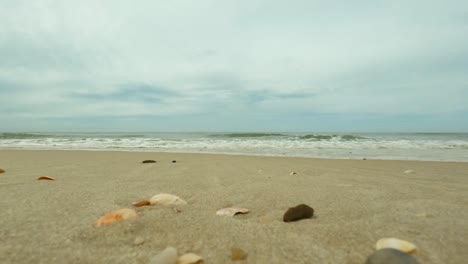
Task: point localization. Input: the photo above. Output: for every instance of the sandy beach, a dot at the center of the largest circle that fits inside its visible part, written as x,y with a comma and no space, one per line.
356,202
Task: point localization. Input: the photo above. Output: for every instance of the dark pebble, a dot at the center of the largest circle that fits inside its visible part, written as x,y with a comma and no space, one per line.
299,212
174,161
390,256
2,171
148,161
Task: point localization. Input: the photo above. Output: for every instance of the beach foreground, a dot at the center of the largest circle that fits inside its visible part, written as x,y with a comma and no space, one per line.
356,202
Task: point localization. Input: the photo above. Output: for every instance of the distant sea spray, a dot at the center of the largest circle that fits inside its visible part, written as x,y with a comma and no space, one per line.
414,146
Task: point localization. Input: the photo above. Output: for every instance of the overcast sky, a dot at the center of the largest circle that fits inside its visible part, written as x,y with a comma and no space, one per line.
233,65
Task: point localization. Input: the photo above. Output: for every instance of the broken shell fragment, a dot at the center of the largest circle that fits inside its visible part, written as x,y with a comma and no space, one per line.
409,171
46,178
190,258
167,256
141,203
395,243
232,211
116,216
162,199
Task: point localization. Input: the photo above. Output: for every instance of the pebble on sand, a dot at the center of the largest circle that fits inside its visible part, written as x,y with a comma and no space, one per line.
148,161
238,254
46,178
232,211
299,212
167,256
190,258
174,161
162,199
138,241
395,243
409,171
2,171
390,256
293,173
116,216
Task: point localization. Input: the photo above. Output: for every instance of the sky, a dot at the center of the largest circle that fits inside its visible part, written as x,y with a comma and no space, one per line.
234,65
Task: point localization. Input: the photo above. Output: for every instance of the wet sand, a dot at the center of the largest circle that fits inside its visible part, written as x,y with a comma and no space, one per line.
356,202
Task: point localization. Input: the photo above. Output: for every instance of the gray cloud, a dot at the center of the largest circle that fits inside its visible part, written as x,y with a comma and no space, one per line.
152,58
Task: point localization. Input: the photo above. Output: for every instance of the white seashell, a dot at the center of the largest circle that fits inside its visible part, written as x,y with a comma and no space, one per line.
232,211
409,171
190,258
395,243
167,256
166,200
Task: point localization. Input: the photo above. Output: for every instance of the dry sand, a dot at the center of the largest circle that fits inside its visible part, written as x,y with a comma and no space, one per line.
356,203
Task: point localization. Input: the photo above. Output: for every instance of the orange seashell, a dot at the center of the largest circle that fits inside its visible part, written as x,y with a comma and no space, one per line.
141,203
46,178
116,216
2,171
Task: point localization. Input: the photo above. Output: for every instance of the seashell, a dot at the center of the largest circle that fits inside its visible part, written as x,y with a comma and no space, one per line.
148,161
162,199
167,256
299,212
190,258
232,211
390,256
46,178
409,171
395,243
115,216
2,171
238,254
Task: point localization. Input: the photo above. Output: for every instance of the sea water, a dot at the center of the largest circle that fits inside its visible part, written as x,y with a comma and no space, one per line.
401,146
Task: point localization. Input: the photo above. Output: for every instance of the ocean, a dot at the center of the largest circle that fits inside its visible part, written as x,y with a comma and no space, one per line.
392,146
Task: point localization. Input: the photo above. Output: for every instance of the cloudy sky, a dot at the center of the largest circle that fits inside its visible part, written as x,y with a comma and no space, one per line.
233,65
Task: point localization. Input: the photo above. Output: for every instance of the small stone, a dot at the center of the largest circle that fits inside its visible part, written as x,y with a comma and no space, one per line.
390,256
364,159
138,241
167,256
395,243
174,161
238,254
299,212
148,161
2,171
190,258
293,173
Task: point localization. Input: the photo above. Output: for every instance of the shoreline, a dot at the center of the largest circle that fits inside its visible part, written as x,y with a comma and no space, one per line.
356,203
229,154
